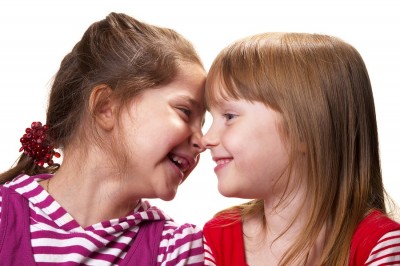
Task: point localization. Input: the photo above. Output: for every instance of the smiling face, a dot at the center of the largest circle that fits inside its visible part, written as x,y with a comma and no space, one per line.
245,141
161,132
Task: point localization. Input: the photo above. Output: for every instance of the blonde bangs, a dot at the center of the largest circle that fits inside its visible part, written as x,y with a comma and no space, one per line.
245,70
220,84
321,87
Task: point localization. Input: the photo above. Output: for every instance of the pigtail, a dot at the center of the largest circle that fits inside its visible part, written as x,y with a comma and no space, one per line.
26,165
37,153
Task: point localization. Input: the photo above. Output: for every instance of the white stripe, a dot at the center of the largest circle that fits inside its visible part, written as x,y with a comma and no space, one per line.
74,257
51,242
384,261
98,226
156,215
53,207
27,188
384,252
125,225
111,230
183,248
209,263
144,215
85,243
390,234
196,259
18,180
47,227
114,222
42,196
387,240
66,218
38,227
176,236
385,243
207,248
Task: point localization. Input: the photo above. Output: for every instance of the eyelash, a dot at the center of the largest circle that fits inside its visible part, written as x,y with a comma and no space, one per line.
186,111
229,116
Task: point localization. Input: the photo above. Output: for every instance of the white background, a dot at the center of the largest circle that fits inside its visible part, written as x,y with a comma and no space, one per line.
35,36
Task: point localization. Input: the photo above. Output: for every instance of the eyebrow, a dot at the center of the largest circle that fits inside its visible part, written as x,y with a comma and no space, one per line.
192,102
196,105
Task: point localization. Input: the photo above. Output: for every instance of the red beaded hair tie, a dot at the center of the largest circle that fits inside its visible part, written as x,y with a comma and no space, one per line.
34,145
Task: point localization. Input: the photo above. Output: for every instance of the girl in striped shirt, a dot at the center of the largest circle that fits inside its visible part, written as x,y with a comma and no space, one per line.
294,127
125,110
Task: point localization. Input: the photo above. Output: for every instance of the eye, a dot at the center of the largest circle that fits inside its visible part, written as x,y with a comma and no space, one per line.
229,116
185,111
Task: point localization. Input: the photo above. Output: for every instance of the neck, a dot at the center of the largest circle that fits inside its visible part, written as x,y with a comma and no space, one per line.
285,222
91,194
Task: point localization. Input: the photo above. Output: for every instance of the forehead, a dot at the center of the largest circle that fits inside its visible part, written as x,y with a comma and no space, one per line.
217,92
188,86
196,103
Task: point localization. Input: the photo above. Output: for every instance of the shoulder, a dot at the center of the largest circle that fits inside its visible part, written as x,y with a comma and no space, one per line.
222,229
223,237
181,244
387,250
172,230
374,237
224,221
376,224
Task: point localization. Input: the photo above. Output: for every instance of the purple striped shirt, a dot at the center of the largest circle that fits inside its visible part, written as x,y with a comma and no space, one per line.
57,238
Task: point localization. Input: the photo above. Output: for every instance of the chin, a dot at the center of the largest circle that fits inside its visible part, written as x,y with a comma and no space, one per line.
167,196
226,192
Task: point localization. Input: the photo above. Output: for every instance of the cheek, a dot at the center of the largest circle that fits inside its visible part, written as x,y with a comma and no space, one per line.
175,132
244,141
234,140
258,153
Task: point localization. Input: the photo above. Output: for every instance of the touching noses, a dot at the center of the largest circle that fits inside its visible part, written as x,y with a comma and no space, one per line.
210,139
196,141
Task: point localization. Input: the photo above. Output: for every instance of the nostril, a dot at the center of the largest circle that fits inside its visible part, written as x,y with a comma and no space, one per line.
200,148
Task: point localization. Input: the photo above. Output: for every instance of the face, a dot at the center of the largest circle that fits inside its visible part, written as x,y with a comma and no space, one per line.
246,144
162,133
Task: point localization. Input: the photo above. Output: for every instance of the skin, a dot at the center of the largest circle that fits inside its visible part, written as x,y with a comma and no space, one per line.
160,126
247,143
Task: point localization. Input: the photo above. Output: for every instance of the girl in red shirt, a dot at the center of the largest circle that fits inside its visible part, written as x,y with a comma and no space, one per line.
294,127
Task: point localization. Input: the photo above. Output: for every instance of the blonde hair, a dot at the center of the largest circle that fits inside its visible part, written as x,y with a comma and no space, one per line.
321,87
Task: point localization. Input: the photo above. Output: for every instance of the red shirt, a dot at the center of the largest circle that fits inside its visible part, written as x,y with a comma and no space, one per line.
372,242
376,241
225,238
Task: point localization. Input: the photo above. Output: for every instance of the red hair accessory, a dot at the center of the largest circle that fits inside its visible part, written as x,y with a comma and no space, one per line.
34,145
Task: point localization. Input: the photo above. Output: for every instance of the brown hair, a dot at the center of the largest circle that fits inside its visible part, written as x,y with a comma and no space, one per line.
321,87
119,51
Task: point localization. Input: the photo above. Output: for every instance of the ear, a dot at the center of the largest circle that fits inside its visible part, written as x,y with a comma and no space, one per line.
102,106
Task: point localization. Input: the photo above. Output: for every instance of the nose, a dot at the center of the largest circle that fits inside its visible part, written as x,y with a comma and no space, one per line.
210,139
196,141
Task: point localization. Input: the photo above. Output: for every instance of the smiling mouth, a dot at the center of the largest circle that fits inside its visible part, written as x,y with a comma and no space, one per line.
182,163
223,161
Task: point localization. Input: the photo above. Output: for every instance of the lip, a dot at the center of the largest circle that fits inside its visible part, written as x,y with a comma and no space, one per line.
177,171
222,162
181,163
